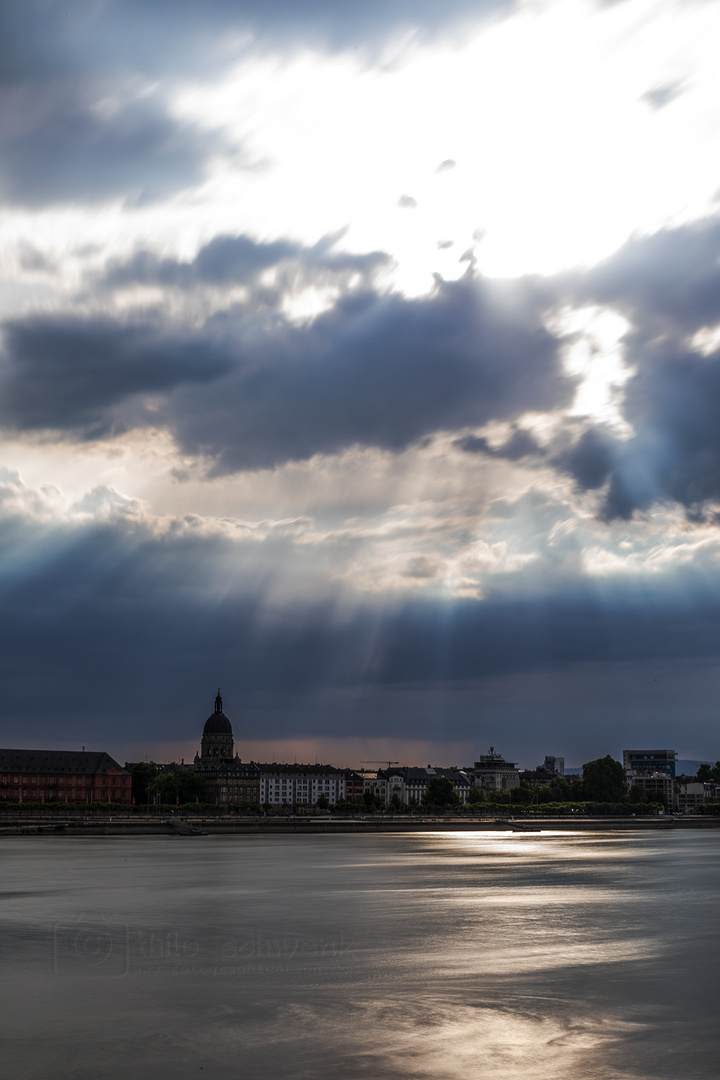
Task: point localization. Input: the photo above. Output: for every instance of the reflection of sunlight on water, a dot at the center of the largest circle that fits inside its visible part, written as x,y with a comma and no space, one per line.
497,1042
434,1035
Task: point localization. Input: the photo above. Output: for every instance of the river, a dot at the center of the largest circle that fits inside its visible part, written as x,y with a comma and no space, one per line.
556,956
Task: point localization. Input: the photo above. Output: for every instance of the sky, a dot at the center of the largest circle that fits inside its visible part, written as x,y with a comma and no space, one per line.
362,359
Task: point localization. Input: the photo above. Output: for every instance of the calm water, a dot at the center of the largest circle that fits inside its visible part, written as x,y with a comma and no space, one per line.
437,955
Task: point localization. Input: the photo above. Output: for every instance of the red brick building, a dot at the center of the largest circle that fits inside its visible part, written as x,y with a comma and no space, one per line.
62,776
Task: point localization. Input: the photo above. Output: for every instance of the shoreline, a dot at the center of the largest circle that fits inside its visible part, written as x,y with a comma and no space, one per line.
190,827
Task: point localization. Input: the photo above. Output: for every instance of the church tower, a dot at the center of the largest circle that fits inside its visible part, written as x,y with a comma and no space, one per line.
217,741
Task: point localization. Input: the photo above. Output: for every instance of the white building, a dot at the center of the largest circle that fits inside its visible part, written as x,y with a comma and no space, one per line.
411,783
300,785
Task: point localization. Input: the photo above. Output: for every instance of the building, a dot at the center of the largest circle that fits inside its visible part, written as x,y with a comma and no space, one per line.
658,785
217,742
693,794
411,783
227,778
354,786
300,785
375,785
64,776
539,777
554,764
493,773
650,761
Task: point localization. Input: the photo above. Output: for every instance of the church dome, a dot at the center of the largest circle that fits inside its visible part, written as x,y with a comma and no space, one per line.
217,723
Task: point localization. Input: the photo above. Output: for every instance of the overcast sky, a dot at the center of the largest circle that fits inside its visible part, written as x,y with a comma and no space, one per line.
363,359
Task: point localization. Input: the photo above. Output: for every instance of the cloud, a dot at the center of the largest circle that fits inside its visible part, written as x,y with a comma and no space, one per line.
32,260
60,145
521,444
69,374
375,370
406,202
668,286
241,260
666,283
176,37
112,623
660,96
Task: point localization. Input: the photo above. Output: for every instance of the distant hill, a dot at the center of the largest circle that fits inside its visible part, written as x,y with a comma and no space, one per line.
684,765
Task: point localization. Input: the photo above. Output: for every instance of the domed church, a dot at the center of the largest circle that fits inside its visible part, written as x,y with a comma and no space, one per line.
227,778
217,742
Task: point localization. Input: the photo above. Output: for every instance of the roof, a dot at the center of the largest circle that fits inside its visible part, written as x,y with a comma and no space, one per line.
419,776
210,767
314,770
88,762
217,724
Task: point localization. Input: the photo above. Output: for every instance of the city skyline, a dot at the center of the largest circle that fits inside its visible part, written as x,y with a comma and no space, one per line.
362,359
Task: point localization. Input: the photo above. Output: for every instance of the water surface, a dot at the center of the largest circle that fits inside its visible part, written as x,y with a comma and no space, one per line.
552,956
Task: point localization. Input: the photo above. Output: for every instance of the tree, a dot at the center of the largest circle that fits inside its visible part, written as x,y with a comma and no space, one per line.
475,796
638,794
396,803
322,802
523,795
143,774
704,773
183,785
603,780
440,792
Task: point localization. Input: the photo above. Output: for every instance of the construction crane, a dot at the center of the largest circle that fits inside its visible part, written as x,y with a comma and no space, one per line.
386,763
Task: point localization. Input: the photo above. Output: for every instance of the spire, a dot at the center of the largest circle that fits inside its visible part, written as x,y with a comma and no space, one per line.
218,702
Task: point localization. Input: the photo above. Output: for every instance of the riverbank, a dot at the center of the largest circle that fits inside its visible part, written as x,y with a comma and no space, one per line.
190,827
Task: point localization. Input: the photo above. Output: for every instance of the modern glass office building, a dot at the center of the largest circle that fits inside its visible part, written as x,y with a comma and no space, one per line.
650,761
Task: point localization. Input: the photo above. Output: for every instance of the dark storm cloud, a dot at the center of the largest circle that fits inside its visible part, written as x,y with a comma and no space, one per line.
520,444
111,629
76,375
375,370
58,146
668,286
231,260
41,39
667,283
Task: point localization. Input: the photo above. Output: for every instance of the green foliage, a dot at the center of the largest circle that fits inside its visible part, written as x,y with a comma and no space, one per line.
705,773
322,802
143,775
183,784
496,795
523,795
396,803
638,794
475,796
603,780
440,792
